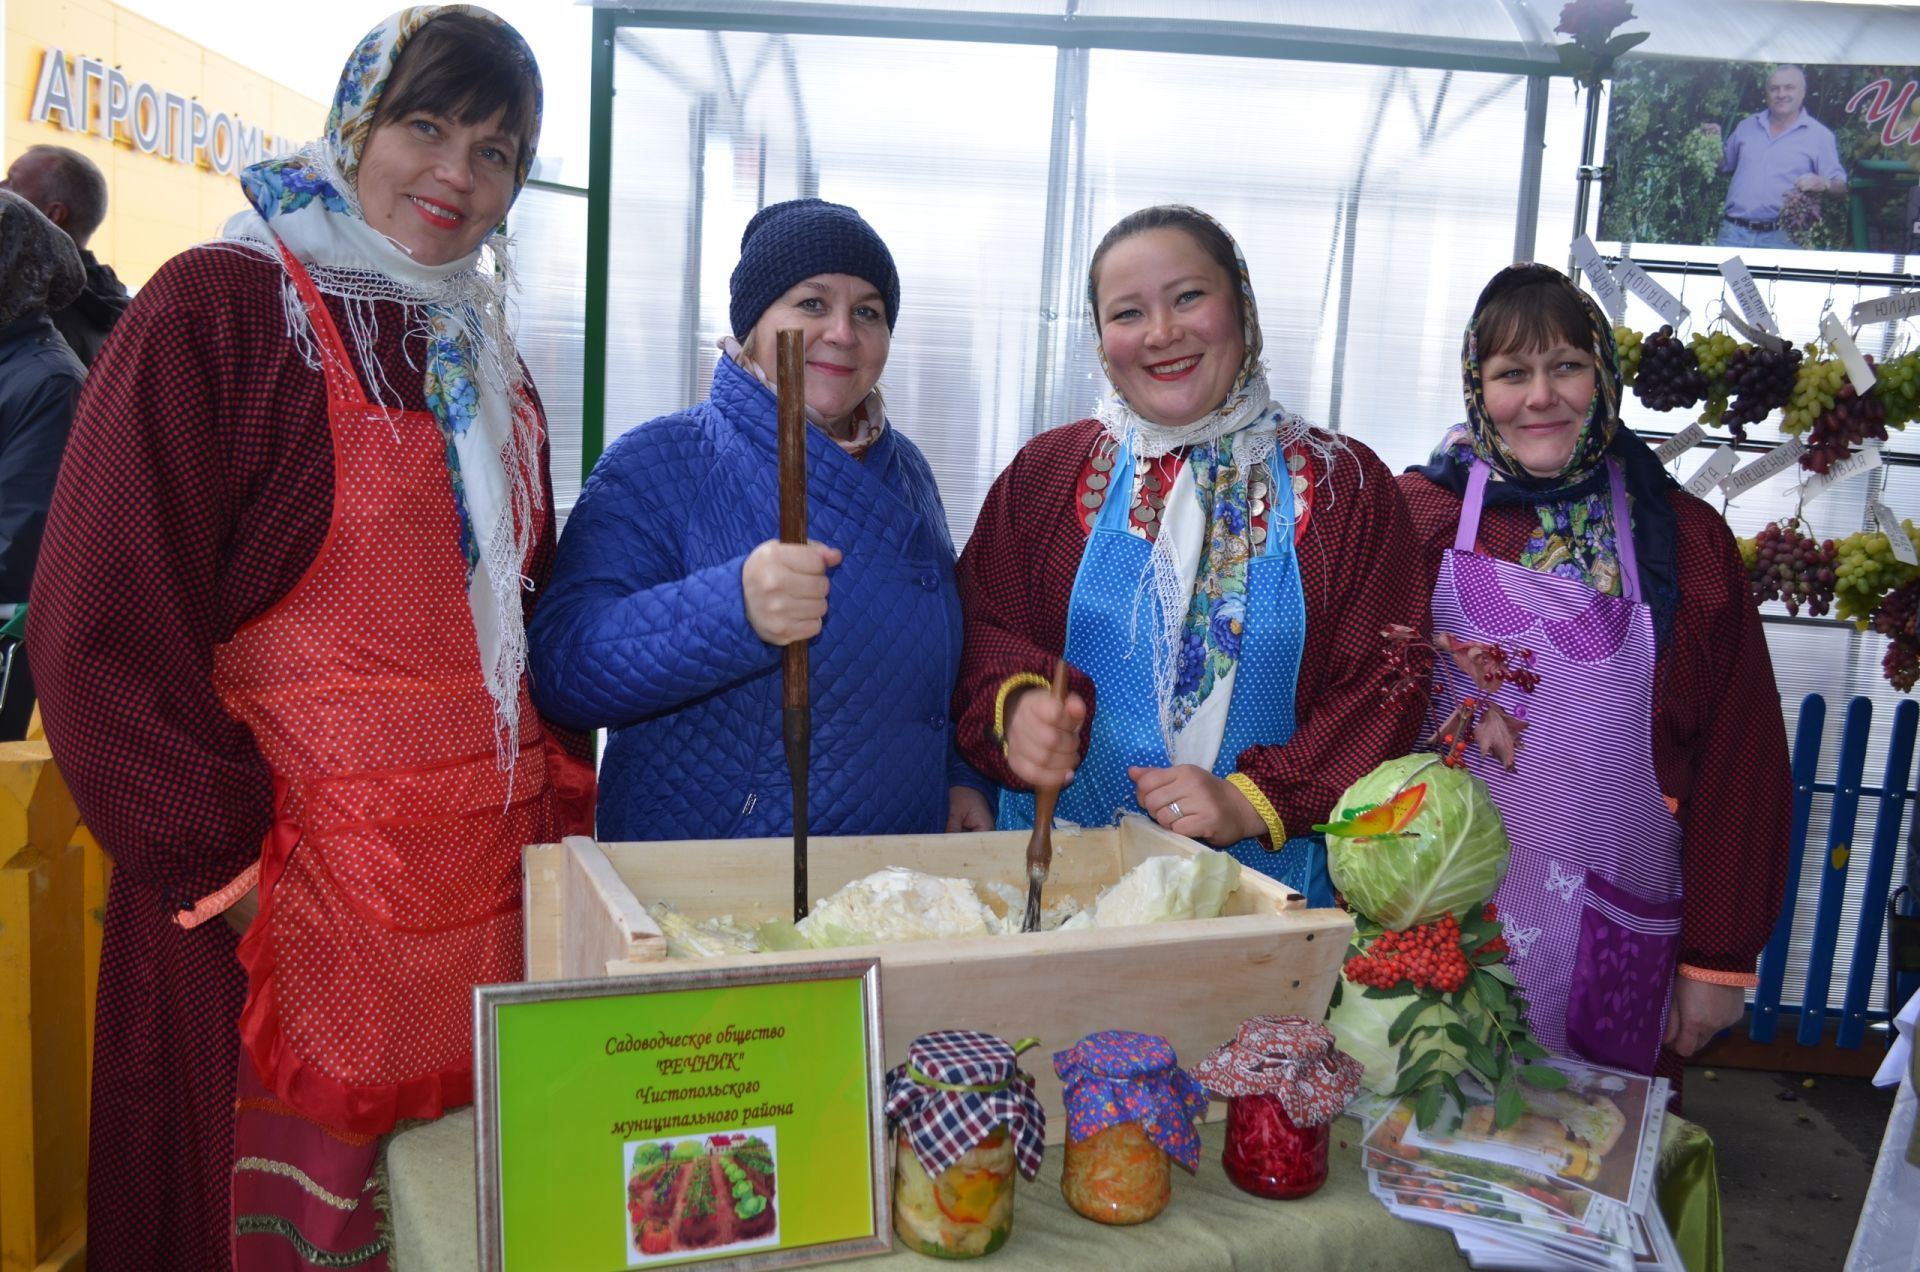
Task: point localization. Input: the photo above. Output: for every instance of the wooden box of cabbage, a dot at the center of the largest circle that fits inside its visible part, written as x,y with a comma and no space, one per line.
1192,981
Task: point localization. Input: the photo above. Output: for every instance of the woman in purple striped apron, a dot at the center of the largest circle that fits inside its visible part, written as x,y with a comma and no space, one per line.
1649,811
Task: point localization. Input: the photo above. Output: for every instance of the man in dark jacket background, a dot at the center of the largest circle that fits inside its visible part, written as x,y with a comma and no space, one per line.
40,381
70,191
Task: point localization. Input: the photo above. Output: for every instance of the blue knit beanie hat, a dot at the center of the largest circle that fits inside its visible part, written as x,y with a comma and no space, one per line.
786,243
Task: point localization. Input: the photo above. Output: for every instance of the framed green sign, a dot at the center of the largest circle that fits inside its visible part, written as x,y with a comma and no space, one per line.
722,1118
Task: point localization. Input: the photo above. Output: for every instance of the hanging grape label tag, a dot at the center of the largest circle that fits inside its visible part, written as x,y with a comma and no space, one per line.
1641,284
1680,443
1897,537
1849,354
1606,288
1886,309
1747,292
1751,332
1771,464
1713,472
1861,461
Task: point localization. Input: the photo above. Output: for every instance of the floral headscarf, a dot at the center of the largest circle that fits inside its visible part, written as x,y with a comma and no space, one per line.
473,380
1202,614
40,268
1576,537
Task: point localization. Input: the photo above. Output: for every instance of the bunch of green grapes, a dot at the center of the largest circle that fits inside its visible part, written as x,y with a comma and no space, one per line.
1814,389
1714,351
1626,343
1749,553
1898,387
1866,571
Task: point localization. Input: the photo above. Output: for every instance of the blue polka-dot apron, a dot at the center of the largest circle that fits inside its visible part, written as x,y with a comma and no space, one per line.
1102,642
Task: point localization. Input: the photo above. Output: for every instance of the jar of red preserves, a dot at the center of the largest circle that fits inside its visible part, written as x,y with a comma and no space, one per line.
1130,1111
1285,1081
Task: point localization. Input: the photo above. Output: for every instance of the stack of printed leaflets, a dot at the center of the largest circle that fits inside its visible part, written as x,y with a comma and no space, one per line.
1570,1185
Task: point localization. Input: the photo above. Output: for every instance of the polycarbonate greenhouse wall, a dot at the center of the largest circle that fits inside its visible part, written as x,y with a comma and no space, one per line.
1377,162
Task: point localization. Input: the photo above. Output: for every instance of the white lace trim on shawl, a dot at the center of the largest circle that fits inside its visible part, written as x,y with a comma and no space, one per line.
499,454
1259,427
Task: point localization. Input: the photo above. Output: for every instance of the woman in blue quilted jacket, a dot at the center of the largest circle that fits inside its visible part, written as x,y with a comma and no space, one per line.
672,597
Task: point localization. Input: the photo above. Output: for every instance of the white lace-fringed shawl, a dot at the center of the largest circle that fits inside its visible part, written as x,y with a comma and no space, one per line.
498,454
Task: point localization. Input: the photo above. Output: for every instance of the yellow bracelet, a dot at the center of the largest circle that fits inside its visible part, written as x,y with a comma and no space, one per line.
1707,976
1023,680
1276,829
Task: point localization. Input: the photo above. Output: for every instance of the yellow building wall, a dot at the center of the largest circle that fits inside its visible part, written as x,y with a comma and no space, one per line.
156,207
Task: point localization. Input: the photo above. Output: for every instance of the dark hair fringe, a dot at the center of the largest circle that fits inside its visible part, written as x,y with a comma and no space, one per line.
1533,314
1166,216
465,69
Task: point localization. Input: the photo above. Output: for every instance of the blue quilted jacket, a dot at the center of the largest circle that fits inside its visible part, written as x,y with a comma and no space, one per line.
643,631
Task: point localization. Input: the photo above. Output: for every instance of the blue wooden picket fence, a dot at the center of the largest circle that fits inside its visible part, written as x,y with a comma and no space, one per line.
1894,793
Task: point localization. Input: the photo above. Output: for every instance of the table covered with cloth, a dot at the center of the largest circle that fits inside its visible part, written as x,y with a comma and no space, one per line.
1209,1226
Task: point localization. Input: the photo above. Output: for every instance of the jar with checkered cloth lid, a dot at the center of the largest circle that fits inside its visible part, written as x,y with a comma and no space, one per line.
1130,1110
1284,1081
965,1118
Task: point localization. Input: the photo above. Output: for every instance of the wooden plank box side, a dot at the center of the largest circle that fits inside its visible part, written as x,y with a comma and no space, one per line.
1192,981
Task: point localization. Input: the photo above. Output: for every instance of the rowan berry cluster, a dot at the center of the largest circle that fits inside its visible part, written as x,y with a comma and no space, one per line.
1428,956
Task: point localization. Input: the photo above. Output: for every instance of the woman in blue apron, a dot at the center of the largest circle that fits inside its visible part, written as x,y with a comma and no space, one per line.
1215,571
1649,813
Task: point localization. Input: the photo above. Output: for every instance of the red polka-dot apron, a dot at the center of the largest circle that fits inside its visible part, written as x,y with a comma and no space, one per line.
1592,898
390,884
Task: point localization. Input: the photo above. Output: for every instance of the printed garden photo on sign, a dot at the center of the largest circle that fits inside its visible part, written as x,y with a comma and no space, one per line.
700,1194
1759,154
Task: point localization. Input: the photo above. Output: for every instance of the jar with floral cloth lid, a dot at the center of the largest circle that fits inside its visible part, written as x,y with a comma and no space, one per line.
1130,1108
964,1118
1284,1081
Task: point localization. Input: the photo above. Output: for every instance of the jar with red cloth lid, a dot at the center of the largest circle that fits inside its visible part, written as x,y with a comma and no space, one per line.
965,1118
1285,1081
1130,1110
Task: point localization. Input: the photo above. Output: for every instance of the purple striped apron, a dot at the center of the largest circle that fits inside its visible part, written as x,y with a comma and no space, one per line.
1592,898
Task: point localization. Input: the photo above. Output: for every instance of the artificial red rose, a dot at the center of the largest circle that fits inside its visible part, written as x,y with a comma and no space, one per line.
1591,21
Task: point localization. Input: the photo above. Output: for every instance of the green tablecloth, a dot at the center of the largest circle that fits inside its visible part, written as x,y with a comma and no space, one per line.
1210,1224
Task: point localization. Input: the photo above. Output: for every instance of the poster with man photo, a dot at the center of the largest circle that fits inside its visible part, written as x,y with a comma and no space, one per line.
1763,154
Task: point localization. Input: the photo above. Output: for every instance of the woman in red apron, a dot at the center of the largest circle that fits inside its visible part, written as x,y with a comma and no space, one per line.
298,675
1650,810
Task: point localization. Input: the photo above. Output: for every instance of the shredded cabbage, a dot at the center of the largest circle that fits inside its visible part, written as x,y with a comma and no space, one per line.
897,904
1451,856
1165,889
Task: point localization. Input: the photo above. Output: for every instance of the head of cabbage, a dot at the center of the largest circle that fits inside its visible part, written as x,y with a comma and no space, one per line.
1450,857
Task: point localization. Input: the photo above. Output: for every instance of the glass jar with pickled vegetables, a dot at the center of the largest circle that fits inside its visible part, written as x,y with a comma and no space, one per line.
1130,1111
1285,1081
965,1121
